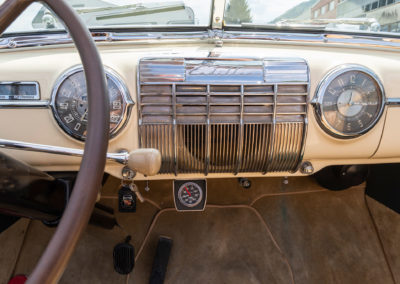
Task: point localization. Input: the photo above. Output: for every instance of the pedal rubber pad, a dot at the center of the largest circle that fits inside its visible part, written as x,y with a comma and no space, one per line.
124,257
161,259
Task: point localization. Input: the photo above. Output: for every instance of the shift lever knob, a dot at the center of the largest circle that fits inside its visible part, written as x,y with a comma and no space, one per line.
145,161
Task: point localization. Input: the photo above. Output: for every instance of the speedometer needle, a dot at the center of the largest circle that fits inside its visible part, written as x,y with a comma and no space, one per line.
187,191
83,116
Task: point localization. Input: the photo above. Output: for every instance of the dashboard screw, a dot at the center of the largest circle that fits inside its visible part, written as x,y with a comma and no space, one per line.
307,168
285,180
245,183
12,44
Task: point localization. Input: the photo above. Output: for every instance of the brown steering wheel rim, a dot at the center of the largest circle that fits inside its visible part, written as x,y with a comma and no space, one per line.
77,214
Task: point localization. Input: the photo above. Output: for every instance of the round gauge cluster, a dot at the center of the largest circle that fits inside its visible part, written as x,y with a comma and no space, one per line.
70,107
349,101
190,194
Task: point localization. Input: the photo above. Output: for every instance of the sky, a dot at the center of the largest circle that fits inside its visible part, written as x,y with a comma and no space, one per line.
263,11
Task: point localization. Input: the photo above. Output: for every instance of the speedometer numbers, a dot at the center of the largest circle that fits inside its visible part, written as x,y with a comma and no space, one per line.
70,107
349,101
190,195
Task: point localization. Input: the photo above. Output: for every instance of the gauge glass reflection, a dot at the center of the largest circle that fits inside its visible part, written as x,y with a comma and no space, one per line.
351,103
190,194
71,106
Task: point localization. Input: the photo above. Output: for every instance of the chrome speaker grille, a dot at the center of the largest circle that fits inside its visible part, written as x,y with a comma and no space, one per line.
224,115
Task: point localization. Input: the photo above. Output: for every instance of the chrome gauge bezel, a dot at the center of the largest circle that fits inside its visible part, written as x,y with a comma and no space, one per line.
317,101
128,102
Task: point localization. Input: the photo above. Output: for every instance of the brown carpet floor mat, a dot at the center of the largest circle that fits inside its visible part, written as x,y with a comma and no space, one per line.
328,237
288,235
219,245
11,242
387,224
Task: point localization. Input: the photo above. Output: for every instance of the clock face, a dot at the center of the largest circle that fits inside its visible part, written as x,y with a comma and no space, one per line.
349,103
71,107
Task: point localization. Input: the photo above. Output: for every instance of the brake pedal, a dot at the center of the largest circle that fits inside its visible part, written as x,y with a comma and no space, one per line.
124,257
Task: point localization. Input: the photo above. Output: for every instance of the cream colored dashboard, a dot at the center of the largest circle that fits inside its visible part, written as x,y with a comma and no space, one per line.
46,65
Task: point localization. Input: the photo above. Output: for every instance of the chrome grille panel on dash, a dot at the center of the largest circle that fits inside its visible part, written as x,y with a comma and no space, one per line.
224,115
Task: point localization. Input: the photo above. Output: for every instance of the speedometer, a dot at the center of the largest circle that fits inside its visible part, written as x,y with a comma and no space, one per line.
349,101
70,107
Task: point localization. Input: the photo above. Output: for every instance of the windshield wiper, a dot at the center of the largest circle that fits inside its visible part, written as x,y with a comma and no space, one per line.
113,12
362,24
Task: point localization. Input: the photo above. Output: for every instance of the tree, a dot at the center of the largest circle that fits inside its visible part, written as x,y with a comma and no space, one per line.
238,12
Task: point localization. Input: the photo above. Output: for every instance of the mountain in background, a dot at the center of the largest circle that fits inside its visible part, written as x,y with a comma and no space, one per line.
301,11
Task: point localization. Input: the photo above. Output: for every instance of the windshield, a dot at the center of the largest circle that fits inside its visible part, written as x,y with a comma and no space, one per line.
118,13
361,16
343,15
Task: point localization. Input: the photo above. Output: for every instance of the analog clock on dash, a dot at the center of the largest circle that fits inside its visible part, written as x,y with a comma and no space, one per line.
70,104
349,102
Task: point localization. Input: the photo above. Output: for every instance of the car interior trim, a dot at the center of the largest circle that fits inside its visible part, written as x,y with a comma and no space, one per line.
128,102
326,39
121,157
317,101
197,102
25,104
393,102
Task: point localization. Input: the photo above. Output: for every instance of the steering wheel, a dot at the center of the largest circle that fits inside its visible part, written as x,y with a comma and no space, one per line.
76,216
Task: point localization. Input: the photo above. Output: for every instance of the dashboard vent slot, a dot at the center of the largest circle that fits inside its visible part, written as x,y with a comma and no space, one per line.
219,124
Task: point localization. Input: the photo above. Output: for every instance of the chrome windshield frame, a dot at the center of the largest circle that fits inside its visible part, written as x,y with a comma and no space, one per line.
213,36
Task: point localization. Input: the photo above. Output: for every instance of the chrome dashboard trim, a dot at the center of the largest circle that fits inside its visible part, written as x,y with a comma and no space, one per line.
121,158
393,102
114,77
25,104
319,94
33,40
377,41
380,41
34,98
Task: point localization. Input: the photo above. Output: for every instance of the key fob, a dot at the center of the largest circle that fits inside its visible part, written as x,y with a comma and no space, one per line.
126,200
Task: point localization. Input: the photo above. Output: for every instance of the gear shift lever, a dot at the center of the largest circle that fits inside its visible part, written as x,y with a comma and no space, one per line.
145,161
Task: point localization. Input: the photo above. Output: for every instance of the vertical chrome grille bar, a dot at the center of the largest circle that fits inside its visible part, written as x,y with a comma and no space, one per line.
174,130
272,135
305,125
290,144
240,136
253,152
303,140
208,134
